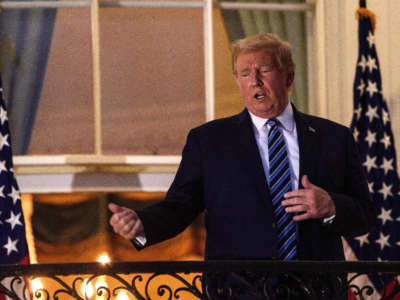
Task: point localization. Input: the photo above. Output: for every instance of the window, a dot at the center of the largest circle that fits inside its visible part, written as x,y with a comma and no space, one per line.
102,94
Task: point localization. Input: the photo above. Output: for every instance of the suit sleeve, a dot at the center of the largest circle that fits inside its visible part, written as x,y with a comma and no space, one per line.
184,199
355,210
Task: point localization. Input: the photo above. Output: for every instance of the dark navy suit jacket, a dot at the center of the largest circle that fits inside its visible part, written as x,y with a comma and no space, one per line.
221,174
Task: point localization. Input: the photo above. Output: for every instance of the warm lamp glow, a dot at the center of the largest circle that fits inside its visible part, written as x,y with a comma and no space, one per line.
122,295
100,284
87,289
104,258
36,285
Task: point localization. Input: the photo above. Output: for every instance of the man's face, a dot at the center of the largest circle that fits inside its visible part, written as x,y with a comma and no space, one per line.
264,87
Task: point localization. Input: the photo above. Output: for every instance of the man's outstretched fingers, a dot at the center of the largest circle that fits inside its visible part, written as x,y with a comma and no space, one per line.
114,208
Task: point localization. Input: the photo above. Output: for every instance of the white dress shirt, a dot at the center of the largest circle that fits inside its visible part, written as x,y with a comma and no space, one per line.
289,131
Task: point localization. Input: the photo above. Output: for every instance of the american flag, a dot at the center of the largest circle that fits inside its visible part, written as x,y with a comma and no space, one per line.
13,245
372,131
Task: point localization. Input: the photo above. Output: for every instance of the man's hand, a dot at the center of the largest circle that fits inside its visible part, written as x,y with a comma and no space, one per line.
312,202
125,222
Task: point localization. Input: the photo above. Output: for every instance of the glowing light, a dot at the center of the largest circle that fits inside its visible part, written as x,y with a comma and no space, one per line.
36,285
91,288
122,295
104,258
100,284
87,289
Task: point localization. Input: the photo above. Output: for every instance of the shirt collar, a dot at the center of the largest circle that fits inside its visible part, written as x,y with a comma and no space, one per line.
286,119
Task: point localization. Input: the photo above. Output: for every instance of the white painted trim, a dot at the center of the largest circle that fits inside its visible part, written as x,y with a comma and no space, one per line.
31,160
44,4
97,182
209,60
123,3
95,31
158,4
153,160
317,61
266,6
311,60
154,4
62,160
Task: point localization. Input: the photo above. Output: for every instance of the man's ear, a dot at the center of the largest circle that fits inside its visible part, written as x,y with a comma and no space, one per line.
290,78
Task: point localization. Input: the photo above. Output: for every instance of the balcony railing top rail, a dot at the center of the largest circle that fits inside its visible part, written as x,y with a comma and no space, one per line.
311,280
365,267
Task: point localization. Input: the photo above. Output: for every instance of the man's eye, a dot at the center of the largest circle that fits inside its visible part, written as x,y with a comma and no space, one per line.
264,71
244,74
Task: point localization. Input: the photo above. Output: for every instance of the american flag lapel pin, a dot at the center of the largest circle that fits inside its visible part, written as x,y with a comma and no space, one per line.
311,129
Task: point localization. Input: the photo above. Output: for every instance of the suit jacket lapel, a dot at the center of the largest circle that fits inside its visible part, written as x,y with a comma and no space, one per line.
249,155
308,146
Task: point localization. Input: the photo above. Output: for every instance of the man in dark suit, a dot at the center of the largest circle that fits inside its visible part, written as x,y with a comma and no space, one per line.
225,172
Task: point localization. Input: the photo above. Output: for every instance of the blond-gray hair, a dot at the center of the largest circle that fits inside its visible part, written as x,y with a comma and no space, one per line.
279,49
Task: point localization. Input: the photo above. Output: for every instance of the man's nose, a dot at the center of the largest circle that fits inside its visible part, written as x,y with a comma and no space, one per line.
255,79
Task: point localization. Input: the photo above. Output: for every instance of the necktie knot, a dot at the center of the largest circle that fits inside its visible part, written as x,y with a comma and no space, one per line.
272,122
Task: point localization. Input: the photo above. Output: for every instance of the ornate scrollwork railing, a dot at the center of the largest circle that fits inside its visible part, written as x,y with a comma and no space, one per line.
200,280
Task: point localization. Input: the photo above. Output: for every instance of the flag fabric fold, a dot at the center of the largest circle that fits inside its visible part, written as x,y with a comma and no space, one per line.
13,245
371,129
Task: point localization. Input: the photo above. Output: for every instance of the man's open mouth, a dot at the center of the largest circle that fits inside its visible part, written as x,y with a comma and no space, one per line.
259,95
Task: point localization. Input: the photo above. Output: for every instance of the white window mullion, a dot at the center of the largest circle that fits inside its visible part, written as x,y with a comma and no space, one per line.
96,76
316,39
209,59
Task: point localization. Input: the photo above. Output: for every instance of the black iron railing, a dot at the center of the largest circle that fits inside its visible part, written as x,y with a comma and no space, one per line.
200,280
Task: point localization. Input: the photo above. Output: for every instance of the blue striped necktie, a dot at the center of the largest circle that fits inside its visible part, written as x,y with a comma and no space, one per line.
280,183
